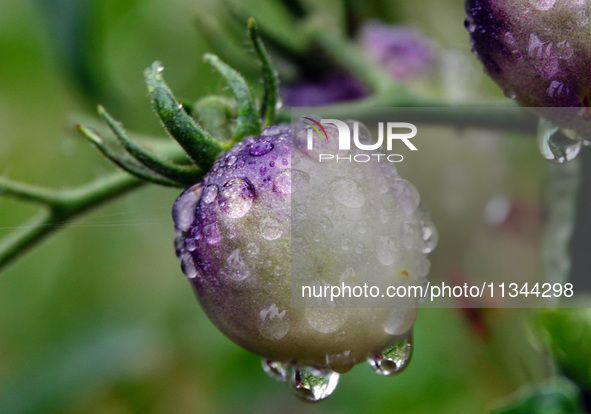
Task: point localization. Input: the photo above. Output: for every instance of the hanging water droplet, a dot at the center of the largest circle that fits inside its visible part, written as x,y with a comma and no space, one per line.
348,192
394,359
236,197
312,384
274,369
554,145
270,228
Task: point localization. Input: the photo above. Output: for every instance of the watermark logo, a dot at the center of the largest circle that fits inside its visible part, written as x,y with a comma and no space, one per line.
388,133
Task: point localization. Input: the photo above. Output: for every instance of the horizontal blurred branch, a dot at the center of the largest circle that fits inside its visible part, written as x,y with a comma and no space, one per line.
58,209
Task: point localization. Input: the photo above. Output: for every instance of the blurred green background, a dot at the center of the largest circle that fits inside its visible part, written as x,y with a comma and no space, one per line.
100,319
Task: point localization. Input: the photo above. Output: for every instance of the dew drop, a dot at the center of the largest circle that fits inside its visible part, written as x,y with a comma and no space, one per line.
183,211
260,148
270,228
394,359
384,216
300,211
406,195
231,160
510,94
282,182
273,324
361,226
210,193
312,384
236,197
190,244
386,250
236,269
382,184
360,248
469,24
211,233
429,235
348,192
325,224
275,369
326,320
188,266
409,235
252,249
554,145
564,49
328,206
346,243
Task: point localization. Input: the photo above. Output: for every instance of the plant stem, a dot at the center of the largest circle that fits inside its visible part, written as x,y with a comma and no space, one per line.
59,208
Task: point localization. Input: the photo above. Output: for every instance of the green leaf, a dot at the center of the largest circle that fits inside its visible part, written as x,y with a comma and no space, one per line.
126,163
186,175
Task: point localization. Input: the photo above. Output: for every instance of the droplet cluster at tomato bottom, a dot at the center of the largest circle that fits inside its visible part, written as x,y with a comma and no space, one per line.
267,213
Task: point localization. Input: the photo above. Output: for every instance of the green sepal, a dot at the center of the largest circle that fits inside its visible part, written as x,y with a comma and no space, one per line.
187,175
248,121
125,162
197,142
216,114
270,79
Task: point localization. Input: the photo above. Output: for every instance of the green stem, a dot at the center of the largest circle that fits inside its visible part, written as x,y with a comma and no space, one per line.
27,192
58,210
